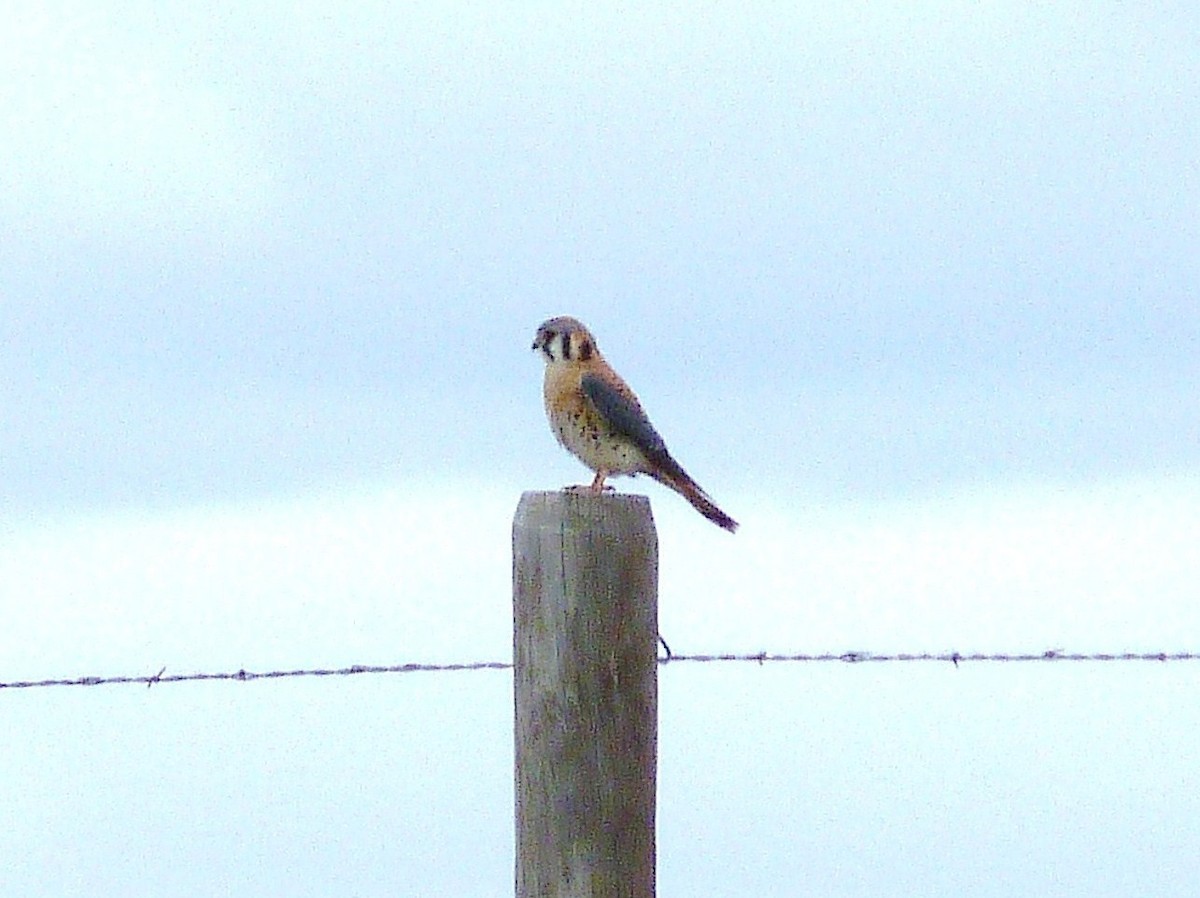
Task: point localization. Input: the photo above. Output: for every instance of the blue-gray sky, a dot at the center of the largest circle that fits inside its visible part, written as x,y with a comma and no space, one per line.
912,291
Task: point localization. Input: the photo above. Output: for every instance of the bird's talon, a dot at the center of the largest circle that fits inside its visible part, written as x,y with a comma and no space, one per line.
588,488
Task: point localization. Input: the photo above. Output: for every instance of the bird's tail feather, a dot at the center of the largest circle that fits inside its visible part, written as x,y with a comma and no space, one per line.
690,490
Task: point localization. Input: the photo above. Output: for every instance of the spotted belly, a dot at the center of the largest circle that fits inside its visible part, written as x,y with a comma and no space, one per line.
597,446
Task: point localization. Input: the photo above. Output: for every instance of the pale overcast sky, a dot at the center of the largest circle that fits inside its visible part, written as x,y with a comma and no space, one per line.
911,291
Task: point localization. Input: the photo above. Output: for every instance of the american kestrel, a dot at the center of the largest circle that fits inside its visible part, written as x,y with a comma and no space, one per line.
597,417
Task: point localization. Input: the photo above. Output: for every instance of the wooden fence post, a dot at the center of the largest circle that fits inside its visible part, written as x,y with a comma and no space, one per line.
585,632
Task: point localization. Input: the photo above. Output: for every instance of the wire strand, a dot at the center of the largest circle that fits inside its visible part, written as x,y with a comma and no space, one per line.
955,658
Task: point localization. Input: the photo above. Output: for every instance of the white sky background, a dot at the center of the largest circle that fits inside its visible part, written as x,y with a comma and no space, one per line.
269,278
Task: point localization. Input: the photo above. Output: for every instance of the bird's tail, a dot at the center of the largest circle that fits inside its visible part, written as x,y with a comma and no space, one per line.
679,481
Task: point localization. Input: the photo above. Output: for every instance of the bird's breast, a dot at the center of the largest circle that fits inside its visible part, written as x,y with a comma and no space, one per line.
581,429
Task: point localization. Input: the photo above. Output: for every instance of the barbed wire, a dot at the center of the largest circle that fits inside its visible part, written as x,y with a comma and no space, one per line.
954,658
761,658
246,676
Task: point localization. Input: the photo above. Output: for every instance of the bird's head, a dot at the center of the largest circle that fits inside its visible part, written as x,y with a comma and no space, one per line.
564,339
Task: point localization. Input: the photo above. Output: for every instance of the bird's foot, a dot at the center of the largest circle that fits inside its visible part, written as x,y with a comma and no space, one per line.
598,486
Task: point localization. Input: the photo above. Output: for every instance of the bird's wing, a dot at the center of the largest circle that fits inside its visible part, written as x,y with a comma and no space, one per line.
626,418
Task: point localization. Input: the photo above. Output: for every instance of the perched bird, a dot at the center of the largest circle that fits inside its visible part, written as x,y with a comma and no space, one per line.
597,418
